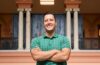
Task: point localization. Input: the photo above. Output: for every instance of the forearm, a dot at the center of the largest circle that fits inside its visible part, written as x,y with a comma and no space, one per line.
43,55
60,57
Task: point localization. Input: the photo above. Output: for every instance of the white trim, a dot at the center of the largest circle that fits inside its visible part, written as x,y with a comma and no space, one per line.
29,50
85,50
15,50
46,3
46,0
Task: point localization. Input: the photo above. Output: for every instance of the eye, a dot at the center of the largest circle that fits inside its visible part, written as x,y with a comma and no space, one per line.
51,19
46,20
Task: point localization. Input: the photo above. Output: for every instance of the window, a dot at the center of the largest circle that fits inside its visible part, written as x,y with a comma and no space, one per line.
47,2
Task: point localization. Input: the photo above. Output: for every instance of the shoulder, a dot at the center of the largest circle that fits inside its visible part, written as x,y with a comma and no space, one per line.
36,38
62,36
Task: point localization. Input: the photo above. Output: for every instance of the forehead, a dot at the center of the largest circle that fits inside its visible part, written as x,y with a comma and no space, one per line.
49,16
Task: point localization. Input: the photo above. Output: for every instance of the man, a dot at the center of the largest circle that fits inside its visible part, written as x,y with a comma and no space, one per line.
50,48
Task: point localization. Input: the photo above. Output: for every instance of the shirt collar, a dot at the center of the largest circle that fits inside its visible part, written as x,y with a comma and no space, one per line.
54,36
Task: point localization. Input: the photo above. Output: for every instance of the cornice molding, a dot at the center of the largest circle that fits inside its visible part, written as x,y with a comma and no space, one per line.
24,3
72,3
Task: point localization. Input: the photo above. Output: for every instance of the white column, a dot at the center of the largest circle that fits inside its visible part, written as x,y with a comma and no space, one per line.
20,29
28,28
76,40
68,22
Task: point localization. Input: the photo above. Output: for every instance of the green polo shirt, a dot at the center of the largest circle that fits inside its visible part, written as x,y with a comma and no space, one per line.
45,44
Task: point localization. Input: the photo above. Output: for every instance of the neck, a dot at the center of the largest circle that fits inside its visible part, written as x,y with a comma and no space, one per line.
50,34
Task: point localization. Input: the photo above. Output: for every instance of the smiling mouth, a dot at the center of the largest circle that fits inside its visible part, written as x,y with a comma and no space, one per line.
49,25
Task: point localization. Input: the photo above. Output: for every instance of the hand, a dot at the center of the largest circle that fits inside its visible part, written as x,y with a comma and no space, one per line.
55,51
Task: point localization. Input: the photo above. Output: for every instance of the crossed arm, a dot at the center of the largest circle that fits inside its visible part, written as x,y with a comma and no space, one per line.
52,55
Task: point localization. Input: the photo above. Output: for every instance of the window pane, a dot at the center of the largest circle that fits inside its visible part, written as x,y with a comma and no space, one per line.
89,36
8,30
15,31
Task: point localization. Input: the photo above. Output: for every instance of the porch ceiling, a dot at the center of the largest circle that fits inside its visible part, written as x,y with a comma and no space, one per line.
87,6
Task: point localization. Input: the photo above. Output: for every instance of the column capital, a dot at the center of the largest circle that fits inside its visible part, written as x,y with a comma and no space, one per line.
28,9
68,9
72,3
76,9
24,3
20,9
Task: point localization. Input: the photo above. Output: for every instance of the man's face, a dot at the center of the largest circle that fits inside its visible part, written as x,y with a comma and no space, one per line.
49,22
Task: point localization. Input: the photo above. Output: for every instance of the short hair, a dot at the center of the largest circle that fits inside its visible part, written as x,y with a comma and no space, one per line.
50,13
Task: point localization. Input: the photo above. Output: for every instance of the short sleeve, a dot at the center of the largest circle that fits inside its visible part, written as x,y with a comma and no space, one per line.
34,43
66,43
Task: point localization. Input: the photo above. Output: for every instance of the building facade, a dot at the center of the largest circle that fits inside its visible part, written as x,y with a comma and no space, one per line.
21,20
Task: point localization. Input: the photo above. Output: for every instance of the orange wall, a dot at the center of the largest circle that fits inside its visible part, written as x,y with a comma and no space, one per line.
25,58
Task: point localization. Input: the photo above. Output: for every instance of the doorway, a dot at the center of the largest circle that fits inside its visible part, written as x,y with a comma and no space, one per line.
0,37
99,35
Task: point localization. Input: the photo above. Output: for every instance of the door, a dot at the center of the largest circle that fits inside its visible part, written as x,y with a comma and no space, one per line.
99,35
0,36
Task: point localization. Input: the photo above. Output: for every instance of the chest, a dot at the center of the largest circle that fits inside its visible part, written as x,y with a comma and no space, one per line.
49,44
